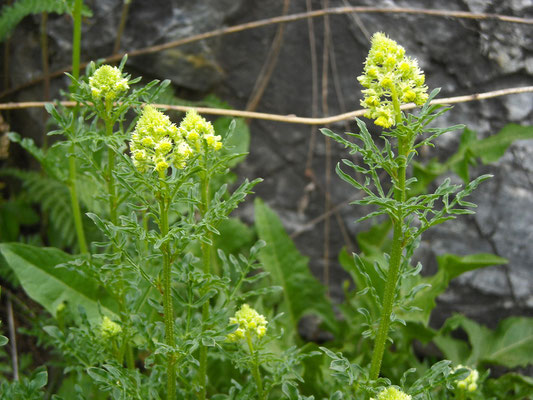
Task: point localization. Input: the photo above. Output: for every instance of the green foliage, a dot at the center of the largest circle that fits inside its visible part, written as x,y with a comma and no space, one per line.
302,293
149,309
471,149
439,375
450,267
510,345
53,198
10,16
37,270
510,386
27,388
15,214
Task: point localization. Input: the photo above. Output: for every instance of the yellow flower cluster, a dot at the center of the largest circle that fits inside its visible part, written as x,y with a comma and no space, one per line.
470,382
391,393
389,76
250,323
107,83
196,131
158,143
109,329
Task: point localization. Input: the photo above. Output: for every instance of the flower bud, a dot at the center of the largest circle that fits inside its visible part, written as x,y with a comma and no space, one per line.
109,329
249,322
470,382
107,83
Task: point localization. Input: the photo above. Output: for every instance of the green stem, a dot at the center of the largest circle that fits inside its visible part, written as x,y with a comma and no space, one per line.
113,216
395,257
46,70
76,44
110,178
388,301
76,39
78,223
206,260
167,294
255,367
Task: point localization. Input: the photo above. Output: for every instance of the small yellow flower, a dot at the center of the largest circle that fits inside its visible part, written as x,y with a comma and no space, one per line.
107,83
163,146
470,382
392,393
161,166
249,322
389,76
109,329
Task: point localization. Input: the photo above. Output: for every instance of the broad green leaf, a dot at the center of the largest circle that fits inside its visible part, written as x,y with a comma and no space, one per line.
450,266
36,270
493,148
510,345
302,292
455,350
461,168
488,150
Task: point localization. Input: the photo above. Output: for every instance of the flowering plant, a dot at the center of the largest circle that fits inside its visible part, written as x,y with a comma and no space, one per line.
170,297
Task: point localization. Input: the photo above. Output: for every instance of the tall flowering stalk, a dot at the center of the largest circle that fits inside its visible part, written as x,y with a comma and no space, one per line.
156,146
250,325
150,144
391,79
201,138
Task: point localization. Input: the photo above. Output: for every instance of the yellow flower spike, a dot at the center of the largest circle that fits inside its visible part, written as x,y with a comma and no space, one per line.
392,393
109,329
195,129
156,144
390,79
107,83
250,322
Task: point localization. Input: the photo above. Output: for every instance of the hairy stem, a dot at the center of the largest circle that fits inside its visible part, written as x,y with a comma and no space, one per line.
388,301
395,257
167,294
206,261
255,367
111,191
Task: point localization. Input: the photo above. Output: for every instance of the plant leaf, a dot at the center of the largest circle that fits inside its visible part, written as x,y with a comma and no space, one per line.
302,292
493,148
510,345
50,286
450,266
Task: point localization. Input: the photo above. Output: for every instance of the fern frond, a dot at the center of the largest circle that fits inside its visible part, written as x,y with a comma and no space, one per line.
54,200
12,15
